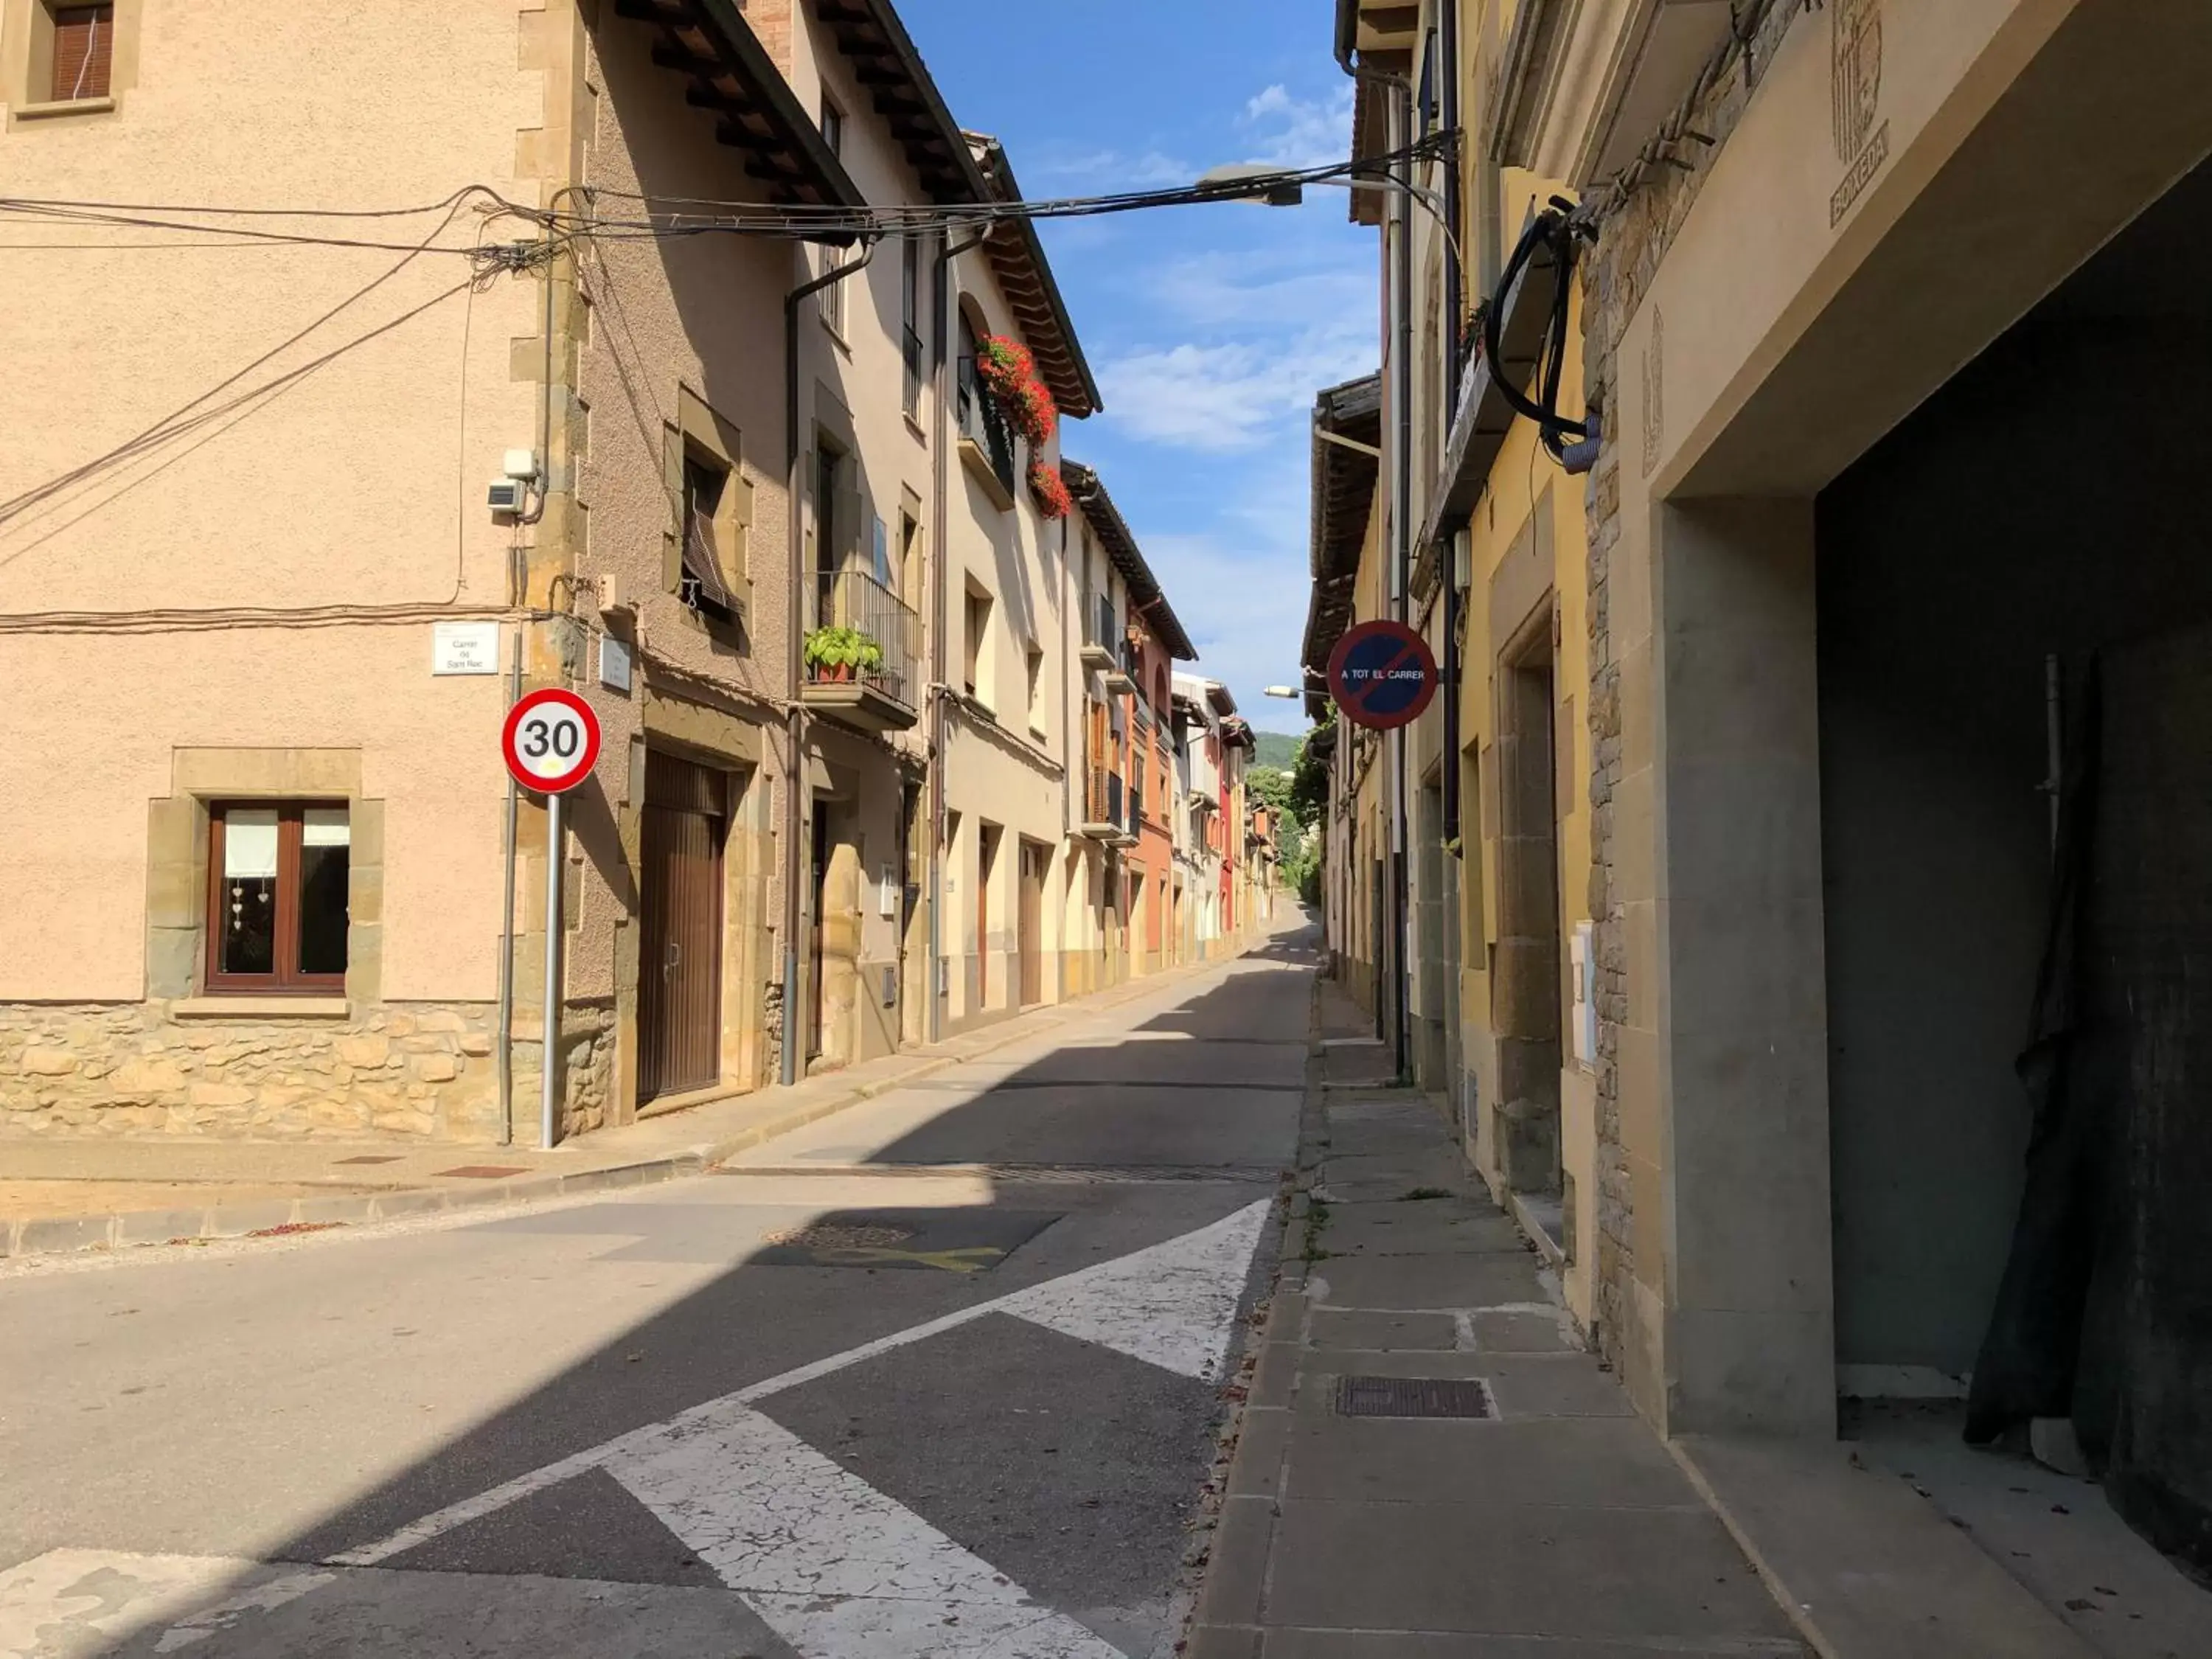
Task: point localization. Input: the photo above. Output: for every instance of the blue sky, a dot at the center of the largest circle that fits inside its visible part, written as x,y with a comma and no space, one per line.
1210,328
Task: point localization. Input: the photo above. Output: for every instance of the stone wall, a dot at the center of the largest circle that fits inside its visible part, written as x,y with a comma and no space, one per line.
1616,276
587,1063
405,1070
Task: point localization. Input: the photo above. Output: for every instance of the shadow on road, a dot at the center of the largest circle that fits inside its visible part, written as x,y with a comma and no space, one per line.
1069,1466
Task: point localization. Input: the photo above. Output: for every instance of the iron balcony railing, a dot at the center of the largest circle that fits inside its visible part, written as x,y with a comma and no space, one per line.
1102,802
1098,630
853,598
911,352
983,425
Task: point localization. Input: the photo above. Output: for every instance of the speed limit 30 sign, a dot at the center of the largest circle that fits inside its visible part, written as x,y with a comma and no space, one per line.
551,741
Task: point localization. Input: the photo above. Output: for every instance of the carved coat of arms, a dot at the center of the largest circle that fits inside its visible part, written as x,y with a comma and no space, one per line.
1857,73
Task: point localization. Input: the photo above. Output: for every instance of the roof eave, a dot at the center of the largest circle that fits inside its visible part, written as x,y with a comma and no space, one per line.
1091,495
1061,359
791,156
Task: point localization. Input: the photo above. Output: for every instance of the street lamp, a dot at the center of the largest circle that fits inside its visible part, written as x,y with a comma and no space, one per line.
1271,187
1289,694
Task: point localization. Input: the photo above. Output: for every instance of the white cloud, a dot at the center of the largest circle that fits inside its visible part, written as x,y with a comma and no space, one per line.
1266,330
1106,172
1244,291
1223,399
1244,608
1299,132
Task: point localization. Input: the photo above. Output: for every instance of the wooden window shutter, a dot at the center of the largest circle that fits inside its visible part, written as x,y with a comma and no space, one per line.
84,51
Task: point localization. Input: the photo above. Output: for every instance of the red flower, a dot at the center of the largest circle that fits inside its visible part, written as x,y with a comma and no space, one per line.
1009,371
1050,491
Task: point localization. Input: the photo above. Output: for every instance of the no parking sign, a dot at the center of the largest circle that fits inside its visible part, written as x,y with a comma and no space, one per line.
1382,675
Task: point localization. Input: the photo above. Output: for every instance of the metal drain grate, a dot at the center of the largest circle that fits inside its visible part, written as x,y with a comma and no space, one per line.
1414,1396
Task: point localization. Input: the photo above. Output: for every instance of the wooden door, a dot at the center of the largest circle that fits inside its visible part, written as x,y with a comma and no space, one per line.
1032,923
986,856
819,879
679,959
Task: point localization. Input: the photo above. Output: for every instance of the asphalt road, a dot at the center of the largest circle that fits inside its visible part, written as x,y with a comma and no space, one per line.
937,1375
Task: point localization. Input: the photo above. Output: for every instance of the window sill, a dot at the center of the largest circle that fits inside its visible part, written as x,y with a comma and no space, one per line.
913,425
980,469
249,1007
64,107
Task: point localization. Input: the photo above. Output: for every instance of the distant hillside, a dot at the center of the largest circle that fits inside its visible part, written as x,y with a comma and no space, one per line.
1277,749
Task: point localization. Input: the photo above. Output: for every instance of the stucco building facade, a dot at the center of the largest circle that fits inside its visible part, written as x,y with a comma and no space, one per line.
320,906
1121,885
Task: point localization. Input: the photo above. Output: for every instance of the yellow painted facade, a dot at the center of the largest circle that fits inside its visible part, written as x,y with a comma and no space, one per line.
1803,250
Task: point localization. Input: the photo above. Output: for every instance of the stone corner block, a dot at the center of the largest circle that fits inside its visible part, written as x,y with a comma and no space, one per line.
237,1220
57,1235
421,1201
526,1189
141,1227
347,1207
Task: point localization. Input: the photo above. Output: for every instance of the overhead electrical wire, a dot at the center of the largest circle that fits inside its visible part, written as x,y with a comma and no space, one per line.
789,220
232,235
454,200
182,419
559,232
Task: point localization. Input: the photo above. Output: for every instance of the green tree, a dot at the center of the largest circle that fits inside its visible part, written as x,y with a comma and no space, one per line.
1270,785
1309,779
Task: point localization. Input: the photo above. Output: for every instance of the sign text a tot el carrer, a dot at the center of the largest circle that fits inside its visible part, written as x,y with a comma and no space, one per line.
1382,675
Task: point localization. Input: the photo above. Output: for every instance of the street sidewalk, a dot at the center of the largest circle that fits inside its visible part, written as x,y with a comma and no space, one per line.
62,1195
1556,1526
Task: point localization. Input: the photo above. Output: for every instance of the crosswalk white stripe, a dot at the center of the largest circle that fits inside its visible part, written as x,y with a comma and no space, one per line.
1153,1304
1172,1305
840,1570
1037,1303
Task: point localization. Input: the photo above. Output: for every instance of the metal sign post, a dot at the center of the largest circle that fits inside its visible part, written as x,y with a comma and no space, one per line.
548,1070
550,743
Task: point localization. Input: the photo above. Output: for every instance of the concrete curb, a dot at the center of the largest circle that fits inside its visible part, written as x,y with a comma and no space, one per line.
23,1236
1225,1616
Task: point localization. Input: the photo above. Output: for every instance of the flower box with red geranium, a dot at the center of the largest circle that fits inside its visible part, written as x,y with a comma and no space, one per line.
1009,374
1049,491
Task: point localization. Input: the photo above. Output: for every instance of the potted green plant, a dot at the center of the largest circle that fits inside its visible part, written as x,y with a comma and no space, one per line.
836,654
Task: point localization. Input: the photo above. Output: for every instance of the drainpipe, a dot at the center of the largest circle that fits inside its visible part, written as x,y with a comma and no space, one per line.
1455,289
1079,771
795,732
519,594
1401,551
1452,864
507,925
941,516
